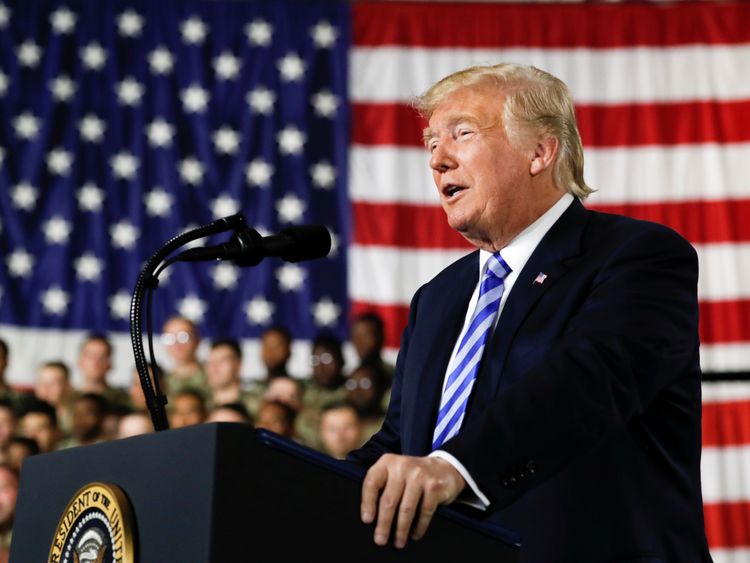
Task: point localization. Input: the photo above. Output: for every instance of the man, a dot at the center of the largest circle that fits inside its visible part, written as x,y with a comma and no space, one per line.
181,340
8,495
53,386
568,404
223,372
187,408
39,422
95,363
340,429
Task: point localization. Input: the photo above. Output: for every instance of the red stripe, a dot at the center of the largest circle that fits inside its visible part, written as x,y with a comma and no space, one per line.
600,126
721,322
585,25
726,423
424,226
727,524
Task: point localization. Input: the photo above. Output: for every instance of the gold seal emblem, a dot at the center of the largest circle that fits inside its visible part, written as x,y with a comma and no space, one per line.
96,527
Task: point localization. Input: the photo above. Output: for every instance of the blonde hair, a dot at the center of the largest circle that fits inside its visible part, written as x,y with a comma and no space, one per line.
534,101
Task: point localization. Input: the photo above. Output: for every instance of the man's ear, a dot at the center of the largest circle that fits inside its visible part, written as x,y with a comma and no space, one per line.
544,155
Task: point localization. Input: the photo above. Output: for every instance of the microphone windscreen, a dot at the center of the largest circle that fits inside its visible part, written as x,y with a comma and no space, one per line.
307,243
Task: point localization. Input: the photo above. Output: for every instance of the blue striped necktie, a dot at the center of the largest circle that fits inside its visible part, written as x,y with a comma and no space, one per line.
465,365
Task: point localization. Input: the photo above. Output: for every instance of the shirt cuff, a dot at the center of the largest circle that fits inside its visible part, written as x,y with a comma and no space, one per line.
475,498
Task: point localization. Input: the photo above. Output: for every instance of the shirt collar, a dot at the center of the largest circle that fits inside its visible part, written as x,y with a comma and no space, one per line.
520,249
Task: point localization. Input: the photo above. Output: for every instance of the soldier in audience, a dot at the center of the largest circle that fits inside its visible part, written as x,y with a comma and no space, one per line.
134,424
275,351
8,495
326,386
89,411
223,369
340,429
53,386
8,422
365,388
94,364
231,412
188,407
181,339
368,338
16,398
39,422
277,417
19,448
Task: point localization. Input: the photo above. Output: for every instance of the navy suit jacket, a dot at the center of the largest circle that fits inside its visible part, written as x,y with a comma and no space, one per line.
583,428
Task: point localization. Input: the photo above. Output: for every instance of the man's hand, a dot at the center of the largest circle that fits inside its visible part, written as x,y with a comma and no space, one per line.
411,486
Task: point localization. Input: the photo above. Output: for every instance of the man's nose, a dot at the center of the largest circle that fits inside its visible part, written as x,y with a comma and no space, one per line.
442,159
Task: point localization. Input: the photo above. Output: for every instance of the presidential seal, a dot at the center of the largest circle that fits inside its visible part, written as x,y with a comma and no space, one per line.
96,527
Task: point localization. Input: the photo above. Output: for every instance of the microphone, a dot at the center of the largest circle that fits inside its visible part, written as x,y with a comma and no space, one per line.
247,247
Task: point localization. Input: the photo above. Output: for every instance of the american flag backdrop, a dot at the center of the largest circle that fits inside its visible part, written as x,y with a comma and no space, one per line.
124,122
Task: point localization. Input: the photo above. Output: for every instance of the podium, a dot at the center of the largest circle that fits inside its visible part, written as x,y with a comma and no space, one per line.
226,493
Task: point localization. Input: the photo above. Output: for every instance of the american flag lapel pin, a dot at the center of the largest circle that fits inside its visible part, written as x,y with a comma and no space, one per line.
539,280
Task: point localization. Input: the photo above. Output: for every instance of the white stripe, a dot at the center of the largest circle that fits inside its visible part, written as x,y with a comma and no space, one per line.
450,391
725,474
731,555
653,174
480,331
602,76
725,391
388,275
725,357
446,419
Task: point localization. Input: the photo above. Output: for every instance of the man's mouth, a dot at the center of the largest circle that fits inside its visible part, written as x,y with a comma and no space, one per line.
452,189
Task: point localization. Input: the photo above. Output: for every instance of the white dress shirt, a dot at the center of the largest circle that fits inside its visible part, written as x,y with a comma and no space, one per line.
515,254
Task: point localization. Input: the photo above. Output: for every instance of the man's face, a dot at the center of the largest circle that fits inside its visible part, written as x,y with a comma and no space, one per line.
38,426
94,361
364,338
8,494
274,350
186,411
482,180
340,431
222,367
87,420
52,385
180,340
325,365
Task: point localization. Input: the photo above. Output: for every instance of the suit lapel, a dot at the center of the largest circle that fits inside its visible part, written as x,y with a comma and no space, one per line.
554,255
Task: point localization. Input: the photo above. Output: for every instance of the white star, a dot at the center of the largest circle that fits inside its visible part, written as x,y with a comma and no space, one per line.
290,277
3,83
26,125
225,276
90,197
191,308
259,173
223,206
56,230
158,202
324,34
194,99
24,196
160,60
226,66
159,133
124,165
119,305
88,267
62,88
259,32
93,56
124,234
291,67
291,140
325,103
20,263
323,174
259,310
4,16
29,54
226,140
55,301
91,128
59,161
261,100
193,30
191,171
130,23
326,312
290,208
63,20
129,92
